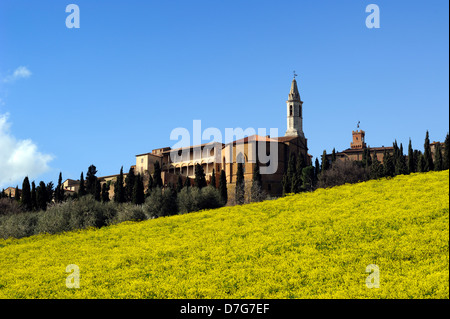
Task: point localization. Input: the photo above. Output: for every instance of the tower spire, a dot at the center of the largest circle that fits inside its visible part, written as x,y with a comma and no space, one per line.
294,111
293,93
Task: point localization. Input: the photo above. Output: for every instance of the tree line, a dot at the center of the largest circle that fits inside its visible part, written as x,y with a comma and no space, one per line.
129,189
369,167
298,177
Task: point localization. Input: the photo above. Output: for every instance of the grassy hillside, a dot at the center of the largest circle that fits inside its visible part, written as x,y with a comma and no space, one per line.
311,245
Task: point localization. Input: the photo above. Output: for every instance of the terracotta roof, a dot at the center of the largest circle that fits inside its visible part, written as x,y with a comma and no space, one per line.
150,153
255,138
193,146
358,150
100,177
285,138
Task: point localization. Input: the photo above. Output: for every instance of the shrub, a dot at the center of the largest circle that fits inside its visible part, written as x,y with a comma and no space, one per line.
9,207
18,225
130,212
70,215
76,214
188,200
342,172
161,203
192,199
87,212
54,220
210,198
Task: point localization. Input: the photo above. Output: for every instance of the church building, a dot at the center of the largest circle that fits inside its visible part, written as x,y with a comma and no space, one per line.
226,156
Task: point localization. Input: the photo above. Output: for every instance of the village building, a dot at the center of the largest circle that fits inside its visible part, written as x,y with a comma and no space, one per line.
433,148
357,148
11,192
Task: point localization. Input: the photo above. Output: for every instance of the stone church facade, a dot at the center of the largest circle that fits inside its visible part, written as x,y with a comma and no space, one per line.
219,156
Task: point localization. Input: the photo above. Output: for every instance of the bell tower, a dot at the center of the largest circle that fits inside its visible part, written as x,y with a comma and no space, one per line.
294,112
358,140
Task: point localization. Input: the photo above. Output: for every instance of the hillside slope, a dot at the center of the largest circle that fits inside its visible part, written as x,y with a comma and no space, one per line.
311,245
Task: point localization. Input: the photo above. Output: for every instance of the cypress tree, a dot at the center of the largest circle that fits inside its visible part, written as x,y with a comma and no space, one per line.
388,165
138,191
240,184
213,179
17,194
333,155
256,190
105,192
187,182
49,191
200,179
428,160
290,174
41,196
417,154
291,171
179,183
421,163
157,180
130,182
368,159
316,169
119,190
325,164
446,159
91,180
308,178
438,164
149,186
411,161
98,191
296,184
223,187
285,184
297,181
400,163
82,188
59,191
376,170
395,152
33,196
26,194
364,157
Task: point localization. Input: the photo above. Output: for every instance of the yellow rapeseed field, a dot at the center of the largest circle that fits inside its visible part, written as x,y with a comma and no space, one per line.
310,245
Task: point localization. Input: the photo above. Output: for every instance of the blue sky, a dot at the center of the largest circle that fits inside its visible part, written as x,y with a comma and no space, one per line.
135,70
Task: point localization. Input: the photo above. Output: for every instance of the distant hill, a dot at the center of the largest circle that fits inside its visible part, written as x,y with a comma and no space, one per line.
309,245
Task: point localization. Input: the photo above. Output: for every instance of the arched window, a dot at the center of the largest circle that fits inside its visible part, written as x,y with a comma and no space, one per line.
240,158
290,111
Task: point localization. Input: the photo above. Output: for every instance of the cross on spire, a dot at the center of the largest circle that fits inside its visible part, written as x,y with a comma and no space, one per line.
295,74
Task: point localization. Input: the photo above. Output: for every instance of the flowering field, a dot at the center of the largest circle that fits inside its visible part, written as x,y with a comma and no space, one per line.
310,245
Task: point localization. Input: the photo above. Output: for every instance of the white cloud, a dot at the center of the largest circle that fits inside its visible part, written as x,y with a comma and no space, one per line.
20,73
18,158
